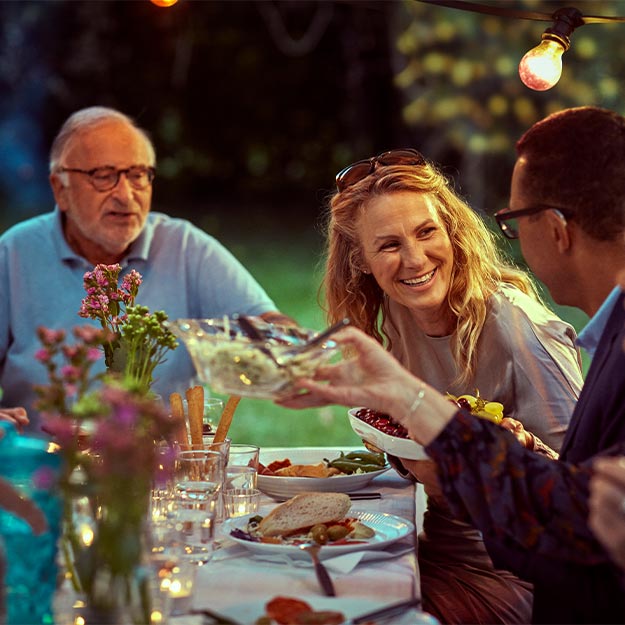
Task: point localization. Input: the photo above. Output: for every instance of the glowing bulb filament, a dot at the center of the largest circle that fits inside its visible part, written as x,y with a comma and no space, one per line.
541,68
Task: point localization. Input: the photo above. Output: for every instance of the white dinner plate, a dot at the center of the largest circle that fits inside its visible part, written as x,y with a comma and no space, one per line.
282,488
388,529
394,445
247,610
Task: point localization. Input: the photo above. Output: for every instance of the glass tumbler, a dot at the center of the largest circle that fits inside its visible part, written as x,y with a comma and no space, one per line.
199,477
242,467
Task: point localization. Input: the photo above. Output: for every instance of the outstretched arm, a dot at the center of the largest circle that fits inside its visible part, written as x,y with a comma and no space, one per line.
511,494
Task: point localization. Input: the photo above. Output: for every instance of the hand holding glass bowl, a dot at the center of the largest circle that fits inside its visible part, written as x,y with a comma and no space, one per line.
227,358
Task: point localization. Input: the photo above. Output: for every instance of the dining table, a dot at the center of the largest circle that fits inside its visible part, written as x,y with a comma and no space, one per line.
236,584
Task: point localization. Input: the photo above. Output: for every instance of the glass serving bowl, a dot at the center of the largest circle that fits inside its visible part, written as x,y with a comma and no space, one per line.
230,362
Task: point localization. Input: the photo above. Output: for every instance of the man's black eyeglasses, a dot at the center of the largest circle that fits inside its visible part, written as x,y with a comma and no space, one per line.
359,170
507,219
107,178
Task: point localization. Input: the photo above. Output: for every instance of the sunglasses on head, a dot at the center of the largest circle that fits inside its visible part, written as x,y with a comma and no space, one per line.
359,170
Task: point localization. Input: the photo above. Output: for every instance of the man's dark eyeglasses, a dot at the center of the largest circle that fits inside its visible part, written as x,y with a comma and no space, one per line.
361,169
506,219
107,178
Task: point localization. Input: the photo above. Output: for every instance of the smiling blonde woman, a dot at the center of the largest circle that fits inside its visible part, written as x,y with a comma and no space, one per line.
412,265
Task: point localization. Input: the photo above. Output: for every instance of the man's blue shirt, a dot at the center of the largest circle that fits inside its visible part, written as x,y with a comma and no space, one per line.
186,273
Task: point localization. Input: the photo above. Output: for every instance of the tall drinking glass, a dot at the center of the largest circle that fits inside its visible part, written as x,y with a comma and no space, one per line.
213,407
242,467
199,476
224,449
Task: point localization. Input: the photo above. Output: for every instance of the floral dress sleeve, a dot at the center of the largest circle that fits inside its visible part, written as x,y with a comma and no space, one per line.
514,495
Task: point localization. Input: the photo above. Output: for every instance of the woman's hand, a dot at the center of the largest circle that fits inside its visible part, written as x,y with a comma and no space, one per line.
516,427
607,505
527,439
17,416
372,377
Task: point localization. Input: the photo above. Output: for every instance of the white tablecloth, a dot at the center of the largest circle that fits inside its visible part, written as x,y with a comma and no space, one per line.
238,584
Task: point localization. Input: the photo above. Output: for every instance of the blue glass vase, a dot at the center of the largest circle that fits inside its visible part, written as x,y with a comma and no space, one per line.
32,468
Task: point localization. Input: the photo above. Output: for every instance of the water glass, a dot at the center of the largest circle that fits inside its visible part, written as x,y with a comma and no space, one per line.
199,477
179,585
172,574
165,458
242,467
224,449
208,442
213,408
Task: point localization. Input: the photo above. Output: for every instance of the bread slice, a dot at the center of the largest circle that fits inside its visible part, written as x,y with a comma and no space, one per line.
304,510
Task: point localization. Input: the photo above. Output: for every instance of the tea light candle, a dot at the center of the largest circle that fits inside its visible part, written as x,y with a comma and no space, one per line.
241,501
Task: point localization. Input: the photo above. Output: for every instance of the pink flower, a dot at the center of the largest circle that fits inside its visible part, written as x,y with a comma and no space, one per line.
70,373
44,478
50,337
93,354
43,355
88,334
71,351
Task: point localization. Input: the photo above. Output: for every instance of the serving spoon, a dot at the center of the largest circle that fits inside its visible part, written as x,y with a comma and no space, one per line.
252,332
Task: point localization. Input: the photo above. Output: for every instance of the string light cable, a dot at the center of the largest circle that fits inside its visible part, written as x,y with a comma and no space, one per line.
541,67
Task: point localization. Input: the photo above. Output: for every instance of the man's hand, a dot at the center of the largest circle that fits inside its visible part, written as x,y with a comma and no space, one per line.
17,416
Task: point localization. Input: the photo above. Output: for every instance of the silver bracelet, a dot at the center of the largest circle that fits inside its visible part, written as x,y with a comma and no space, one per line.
418,399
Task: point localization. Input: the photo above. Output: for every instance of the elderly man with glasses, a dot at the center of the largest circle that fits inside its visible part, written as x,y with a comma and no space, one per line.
568,199
102,167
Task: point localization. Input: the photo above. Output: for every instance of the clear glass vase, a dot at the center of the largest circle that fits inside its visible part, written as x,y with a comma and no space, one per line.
106,563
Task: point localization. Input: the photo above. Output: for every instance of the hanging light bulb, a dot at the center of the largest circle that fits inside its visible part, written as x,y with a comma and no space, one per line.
541,68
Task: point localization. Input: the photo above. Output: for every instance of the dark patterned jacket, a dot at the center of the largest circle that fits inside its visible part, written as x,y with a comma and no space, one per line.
533,511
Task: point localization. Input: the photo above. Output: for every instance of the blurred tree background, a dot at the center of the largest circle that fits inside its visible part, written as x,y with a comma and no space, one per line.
254,106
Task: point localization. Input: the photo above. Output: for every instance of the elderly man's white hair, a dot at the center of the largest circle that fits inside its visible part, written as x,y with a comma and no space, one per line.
86,119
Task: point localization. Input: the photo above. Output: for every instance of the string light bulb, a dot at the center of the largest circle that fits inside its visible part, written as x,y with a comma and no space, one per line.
541,68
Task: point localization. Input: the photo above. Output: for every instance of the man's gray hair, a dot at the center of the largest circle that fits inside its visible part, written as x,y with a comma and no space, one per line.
86,119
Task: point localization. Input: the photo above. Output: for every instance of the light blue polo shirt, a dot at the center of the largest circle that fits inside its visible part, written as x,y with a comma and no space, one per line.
186,272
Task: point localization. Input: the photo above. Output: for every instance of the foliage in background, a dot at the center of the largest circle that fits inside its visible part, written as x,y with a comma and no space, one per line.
458,71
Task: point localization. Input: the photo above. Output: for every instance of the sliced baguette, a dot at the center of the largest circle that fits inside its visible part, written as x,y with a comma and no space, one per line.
305,510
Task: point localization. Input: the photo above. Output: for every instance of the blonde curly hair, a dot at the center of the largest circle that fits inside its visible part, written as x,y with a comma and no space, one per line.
478,271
